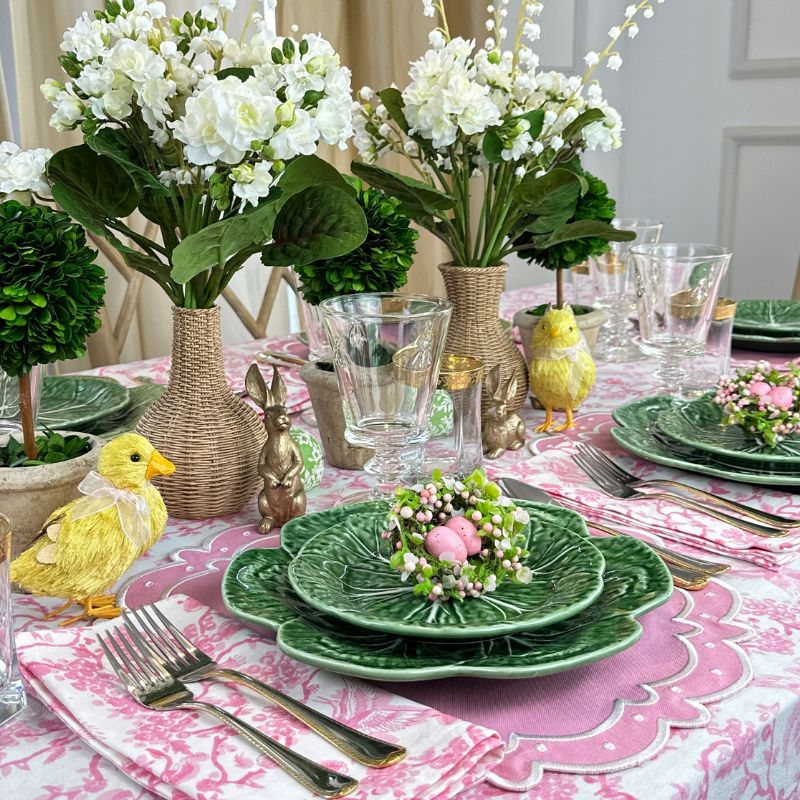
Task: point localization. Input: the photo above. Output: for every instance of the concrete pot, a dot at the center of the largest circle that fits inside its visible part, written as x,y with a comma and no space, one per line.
28,495
589,323
327,403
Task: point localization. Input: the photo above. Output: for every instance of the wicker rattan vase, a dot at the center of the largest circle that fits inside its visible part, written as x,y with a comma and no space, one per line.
475,328
212,436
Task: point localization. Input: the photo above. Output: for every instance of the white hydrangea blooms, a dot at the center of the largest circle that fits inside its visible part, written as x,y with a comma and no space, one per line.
23,170
459,92
247,104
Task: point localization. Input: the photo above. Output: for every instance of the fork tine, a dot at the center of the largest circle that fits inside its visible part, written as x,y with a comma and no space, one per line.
150,667
155,638
181,639
139,679
115,665
142,645
589,470
618,470
602,469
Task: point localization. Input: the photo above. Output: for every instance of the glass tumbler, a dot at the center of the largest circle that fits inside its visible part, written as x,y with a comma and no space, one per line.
387,349
676,289
12,693
582,285
714,362
614,290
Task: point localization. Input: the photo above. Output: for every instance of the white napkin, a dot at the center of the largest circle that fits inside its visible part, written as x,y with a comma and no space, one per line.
183,754
555,472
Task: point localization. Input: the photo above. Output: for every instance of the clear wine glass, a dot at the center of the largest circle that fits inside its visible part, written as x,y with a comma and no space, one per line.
387,349
676,289
615,294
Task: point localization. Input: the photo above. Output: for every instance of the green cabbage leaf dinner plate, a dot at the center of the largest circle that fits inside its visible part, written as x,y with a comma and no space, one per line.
256,588
699,424
639,434
70,402
344,571
766,344
760,317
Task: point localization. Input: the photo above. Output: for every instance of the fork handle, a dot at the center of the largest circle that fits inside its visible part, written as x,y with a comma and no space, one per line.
736,522
360,746
314,777
683,490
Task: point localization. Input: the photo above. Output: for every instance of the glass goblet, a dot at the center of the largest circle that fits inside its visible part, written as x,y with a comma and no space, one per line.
612,276
676,288
387,349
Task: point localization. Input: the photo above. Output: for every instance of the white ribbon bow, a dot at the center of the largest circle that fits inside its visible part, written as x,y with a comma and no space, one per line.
572,354
132,508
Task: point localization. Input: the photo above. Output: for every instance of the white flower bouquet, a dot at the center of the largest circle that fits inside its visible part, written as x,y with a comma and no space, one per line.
210,136
487,112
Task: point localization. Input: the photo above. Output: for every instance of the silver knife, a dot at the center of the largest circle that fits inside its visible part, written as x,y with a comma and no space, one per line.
524,491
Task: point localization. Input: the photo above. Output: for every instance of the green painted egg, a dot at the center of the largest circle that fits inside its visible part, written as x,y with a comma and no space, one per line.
441,413
313,462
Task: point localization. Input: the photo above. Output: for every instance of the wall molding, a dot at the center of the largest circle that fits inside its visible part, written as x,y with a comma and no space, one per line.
733,139
743,67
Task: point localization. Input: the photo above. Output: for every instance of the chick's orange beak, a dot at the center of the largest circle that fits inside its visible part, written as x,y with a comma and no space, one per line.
158,465
554,332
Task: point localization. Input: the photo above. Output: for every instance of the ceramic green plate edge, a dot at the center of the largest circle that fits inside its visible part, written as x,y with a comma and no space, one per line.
493,630
429,673
619,435
764,456
749,315
123,398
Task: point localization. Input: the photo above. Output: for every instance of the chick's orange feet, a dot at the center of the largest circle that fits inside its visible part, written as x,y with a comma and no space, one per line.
570,423
548,421
101,607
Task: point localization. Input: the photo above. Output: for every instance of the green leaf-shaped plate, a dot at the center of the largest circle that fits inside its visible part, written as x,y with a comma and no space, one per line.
760,317
766,344
70,402
640,435
344,571
699,424
256,588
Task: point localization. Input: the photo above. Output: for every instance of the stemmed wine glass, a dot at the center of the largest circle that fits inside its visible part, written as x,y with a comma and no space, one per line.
676,288
614,290
387,349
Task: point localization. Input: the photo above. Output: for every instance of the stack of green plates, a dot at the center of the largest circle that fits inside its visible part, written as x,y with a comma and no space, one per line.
334,602
692,437
771,326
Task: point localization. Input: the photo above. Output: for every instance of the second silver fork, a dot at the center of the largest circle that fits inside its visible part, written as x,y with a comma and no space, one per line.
187,662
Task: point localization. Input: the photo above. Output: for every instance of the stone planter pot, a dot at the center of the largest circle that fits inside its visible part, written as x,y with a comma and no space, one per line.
589,323
327,403
28,495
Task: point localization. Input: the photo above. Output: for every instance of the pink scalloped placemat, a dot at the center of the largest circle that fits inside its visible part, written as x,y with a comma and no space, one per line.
602,717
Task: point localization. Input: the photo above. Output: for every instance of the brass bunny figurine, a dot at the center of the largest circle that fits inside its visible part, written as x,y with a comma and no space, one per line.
280,463
501,430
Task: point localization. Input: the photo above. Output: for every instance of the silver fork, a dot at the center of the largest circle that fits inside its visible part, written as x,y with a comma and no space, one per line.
185,661
683,489
609,481
148,680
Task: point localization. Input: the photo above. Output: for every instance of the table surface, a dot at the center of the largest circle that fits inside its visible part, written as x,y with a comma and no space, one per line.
749,749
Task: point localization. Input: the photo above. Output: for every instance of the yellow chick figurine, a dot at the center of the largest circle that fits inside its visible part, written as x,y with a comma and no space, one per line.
86,545
562,372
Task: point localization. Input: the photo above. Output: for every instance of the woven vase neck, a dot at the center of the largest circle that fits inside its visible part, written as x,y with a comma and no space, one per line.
197,348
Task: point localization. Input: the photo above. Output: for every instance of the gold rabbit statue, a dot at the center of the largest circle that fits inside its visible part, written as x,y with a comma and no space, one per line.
502,430
281,462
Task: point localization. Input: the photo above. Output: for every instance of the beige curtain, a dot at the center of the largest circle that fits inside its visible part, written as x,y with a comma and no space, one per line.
377,39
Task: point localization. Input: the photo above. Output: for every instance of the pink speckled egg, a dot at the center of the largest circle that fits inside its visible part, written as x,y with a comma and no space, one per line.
781,397
467,532
446,544
759,388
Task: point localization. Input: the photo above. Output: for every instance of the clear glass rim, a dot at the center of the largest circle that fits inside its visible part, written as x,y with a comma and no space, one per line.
685,252
642,223
440,306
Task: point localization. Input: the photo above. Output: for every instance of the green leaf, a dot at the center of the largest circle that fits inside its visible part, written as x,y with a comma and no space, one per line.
214,245
308,171
585,228
321,222
420,200
546,223
536,120
580,122
98,180
493,147
551,193
75,206
392,99
242,73
113,142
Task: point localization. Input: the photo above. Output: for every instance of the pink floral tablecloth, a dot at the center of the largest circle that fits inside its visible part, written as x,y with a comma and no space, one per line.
749,748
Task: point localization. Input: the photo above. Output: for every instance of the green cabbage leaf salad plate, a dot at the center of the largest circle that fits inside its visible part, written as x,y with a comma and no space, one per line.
767,317
70,402
256,588
699,424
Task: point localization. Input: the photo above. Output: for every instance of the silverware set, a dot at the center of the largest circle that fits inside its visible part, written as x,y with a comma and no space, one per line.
155,661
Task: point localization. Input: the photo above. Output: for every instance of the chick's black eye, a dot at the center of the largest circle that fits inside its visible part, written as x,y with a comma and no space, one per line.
136,457
570,328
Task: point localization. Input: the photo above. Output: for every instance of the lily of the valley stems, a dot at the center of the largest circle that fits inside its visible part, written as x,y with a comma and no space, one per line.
487,119
210,136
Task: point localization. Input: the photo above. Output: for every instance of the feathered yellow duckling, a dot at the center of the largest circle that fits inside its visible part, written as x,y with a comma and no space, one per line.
86,545
562,371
